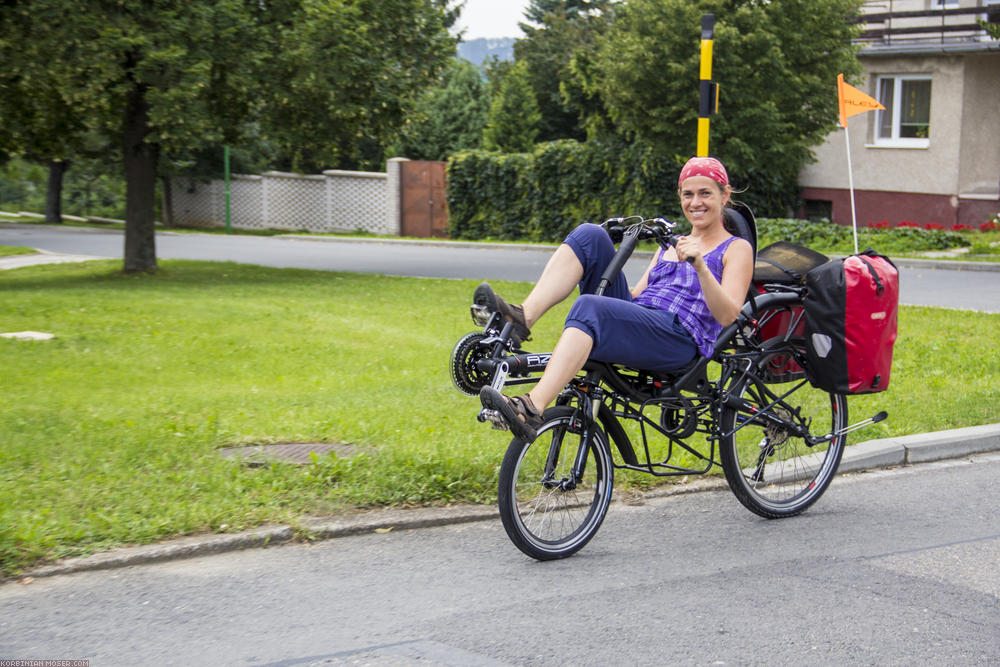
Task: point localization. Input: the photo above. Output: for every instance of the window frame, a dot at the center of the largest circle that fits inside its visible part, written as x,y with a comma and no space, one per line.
943,4
896,141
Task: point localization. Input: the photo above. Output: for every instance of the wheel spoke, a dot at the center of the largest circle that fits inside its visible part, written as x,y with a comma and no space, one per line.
545,515
768,463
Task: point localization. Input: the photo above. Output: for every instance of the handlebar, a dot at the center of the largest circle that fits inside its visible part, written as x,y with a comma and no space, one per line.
629,234
658,229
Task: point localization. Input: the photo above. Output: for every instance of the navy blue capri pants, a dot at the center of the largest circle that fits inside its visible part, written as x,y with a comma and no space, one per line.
624,332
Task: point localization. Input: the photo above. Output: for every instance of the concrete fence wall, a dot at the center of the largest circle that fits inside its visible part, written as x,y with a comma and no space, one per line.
334,201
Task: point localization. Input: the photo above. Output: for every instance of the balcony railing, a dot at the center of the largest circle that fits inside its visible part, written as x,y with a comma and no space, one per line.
937,26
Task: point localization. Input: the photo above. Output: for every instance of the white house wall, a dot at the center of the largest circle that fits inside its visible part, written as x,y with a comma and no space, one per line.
931,170
979,173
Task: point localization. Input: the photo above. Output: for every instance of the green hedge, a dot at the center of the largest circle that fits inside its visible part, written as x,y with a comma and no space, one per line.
541,196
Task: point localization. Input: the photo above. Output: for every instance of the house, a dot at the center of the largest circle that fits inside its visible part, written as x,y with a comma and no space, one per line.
933,155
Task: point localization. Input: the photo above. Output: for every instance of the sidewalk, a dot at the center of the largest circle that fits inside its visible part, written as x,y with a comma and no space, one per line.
870,455
42,257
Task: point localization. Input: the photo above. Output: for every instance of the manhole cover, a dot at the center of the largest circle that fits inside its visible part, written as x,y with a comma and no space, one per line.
294,452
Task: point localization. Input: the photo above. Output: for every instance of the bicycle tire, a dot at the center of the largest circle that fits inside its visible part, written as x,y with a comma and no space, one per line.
770,470
543,516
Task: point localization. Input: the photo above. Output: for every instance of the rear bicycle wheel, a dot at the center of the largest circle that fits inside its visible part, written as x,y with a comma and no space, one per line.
548,512
771,467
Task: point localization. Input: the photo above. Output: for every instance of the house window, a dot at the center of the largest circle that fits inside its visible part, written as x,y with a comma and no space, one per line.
938,4
906,121
819,210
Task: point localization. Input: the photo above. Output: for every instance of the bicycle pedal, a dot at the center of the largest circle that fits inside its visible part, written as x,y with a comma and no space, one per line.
494,418
480,314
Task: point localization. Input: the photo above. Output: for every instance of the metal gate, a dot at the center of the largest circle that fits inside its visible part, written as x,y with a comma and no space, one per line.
424,206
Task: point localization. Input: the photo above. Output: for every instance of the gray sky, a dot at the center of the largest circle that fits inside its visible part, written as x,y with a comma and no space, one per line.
492,18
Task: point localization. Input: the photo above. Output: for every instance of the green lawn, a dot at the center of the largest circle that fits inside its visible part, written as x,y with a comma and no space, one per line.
8,250
109,431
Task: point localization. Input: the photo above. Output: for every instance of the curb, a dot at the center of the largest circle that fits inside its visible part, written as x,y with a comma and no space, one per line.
42,257
310,530
888,452
921,448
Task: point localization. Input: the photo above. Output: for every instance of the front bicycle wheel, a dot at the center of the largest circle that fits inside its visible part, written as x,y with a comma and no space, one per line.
548,510
772,448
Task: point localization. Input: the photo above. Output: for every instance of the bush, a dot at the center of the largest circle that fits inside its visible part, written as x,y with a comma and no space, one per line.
830,237
541,196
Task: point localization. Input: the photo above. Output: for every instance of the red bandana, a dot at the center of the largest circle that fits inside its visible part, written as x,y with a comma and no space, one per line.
704,166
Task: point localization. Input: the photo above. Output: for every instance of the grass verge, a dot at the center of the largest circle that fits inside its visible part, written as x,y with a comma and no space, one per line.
109,431
9,250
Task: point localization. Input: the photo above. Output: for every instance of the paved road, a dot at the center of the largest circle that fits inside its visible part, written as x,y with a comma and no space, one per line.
890,567
923,285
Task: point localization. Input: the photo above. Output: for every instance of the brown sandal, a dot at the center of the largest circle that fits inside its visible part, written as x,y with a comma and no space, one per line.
521,415
485,296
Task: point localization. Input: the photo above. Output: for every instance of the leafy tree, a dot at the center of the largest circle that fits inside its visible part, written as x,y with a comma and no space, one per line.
346,75
39,123
514,115
327,81
776,62
448,117
565,28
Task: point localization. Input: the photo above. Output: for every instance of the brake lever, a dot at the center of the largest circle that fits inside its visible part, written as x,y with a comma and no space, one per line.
664,237
614,228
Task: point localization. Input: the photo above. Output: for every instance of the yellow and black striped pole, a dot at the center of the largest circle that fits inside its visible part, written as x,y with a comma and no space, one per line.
709,91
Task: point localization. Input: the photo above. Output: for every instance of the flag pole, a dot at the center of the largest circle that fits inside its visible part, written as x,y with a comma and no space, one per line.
852,101
850,185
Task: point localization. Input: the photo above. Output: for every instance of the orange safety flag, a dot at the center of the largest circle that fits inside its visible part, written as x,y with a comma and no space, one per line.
853,101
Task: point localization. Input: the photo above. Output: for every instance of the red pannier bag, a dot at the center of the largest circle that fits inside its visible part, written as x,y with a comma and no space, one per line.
783,263
850,327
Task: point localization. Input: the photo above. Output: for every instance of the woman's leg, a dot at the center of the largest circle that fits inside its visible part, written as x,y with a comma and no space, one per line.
578,262
562,273
523,413
614,331
568,358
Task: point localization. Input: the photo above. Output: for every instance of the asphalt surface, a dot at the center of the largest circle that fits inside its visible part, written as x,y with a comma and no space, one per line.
891,567
874,454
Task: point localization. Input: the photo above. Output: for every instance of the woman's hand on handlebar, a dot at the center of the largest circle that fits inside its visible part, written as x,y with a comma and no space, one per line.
687,250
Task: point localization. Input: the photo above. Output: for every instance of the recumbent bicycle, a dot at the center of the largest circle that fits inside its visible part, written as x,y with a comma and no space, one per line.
778,439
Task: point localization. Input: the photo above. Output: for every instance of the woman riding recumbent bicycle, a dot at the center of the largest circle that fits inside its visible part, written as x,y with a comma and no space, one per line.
636,365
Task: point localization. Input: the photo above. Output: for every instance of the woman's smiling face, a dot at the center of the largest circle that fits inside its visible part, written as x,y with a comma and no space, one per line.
702,200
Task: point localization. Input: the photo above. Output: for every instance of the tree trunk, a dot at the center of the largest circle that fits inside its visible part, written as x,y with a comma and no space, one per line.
140,160
53,194
168,201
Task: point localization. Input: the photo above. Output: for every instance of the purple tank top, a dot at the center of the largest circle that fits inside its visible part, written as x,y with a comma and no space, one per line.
673,286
